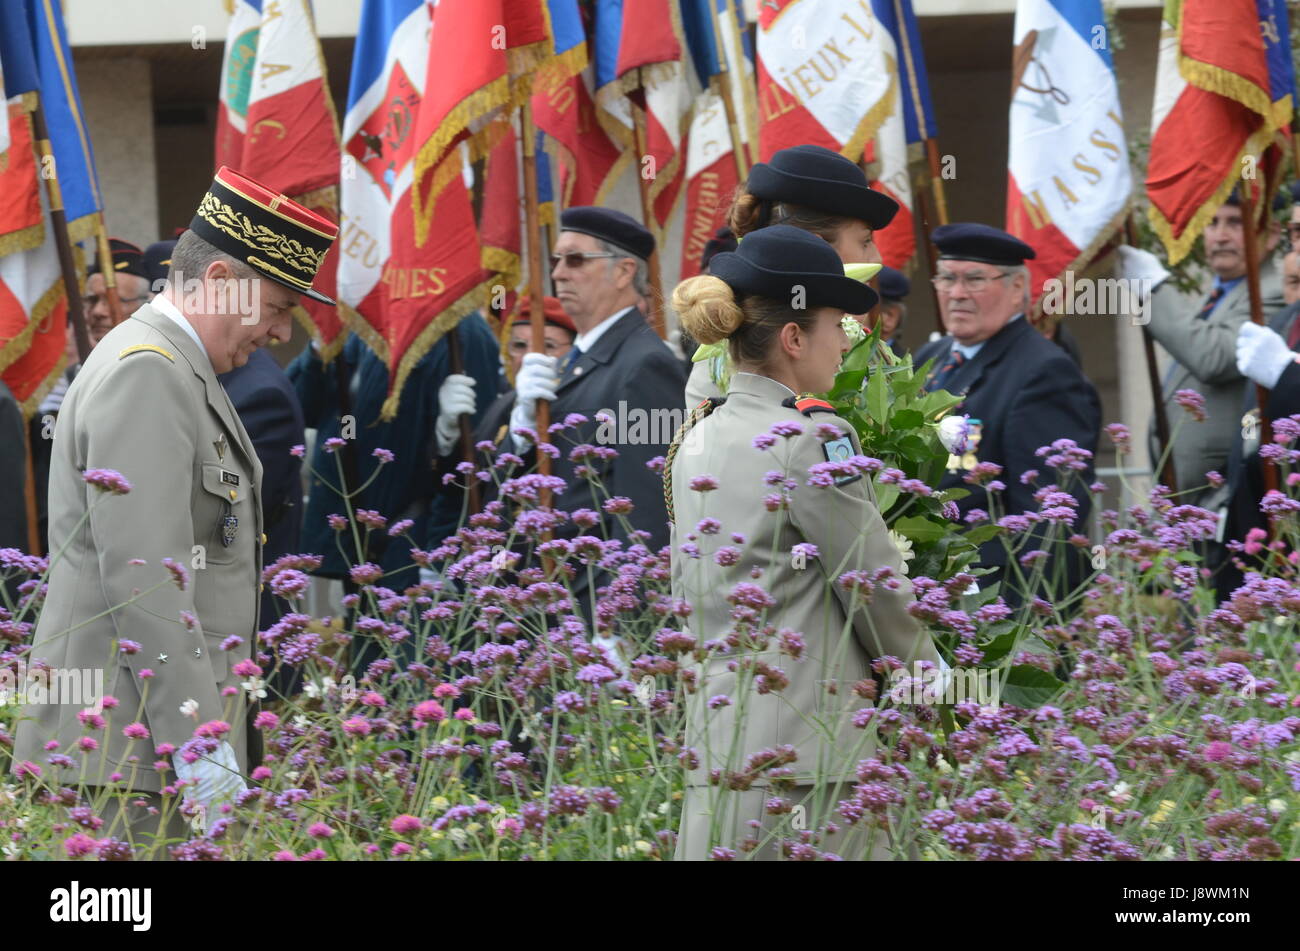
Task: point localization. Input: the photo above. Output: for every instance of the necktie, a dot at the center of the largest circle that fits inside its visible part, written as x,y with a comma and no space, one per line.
945,372
571,359
1211,302
1293,335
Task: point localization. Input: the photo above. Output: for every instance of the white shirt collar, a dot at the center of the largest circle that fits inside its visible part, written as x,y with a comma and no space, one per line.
164,306
969,350
585,342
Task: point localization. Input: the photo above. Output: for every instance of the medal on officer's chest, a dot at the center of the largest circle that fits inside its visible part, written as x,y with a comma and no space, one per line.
229,521
967,459
220,445
229,526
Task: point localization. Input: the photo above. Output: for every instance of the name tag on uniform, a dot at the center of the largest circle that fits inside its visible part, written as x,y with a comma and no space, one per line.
841,450
229,478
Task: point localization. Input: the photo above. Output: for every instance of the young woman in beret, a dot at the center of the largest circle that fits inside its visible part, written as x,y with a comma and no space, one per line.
814,189
794,583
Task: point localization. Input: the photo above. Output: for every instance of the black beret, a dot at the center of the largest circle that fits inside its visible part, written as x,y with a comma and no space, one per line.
273,234
967,241
1281,198
894,285
620,230
158,260
772,262
822,180
722,240
127,259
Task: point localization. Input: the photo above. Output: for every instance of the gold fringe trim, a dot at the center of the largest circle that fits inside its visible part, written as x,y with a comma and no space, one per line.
488,138
12,350
531,56
875,117
425,341
1177,247
1225,83
31,406
326,197
622,135
562,67
1086,256
326,351
369,335
433,151
24,239
423,209
84,227
504,263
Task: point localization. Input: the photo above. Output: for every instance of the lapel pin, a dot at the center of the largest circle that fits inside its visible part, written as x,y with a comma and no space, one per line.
220,445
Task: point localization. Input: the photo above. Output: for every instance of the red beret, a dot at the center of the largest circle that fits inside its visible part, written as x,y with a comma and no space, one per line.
552,313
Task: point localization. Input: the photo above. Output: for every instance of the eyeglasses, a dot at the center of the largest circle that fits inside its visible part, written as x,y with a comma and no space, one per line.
576,259
91,301
974,283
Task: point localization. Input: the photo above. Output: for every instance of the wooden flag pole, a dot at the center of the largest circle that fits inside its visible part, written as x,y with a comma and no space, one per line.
1250,235
536,289
1168,475
466,432
59,225
722,82
110,273
655,303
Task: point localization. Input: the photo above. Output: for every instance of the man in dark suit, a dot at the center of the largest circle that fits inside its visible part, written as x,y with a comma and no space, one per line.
13,475
269,409
618,366
1021,390
894,288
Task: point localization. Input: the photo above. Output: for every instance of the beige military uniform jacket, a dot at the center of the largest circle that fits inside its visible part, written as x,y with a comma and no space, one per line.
814,712
147,404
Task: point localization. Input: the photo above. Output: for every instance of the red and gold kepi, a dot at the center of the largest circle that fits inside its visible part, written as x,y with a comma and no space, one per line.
270,232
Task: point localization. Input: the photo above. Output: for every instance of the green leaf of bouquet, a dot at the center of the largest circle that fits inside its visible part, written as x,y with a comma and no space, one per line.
921,529
982,533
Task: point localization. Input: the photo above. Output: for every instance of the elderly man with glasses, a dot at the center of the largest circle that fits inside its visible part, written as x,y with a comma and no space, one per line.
617,365
1020,390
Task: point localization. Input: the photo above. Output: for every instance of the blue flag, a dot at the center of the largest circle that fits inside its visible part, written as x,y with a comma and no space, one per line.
918,111
35,55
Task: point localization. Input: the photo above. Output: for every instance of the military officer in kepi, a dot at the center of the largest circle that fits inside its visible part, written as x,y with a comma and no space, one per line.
158,587
765,554
1021,391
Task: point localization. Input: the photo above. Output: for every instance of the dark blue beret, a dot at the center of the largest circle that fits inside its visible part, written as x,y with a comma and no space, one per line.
158,260
822,180
968,241
1281,198
894,285
620,230
772,262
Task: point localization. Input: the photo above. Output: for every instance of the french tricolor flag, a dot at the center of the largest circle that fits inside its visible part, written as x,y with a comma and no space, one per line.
1069,185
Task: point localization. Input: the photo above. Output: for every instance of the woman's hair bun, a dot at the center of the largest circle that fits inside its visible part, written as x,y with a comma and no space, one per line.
707,308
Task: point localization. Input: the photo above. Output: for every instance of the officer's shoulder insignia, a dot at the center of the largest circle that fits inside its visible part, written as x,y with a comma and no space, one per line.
142,347
808,406
709,404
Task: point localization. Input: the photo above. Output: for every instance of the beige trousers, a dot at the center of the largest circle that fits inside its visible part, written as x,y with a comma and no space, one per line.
719,817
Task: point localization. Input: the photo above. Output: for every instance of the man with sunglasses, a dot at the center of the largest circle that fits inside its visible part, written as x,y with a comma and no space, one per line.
618,365
1021,390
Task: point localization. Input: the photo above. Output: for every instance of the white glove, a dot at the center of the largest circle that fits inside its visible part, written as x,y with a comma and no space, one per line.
537,379
1262,354
455,397
1134,264
214,779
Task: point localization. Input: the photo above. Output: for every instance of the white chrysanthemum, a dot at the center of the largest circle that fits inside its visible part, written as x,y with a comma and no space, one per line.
852,328
904,546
